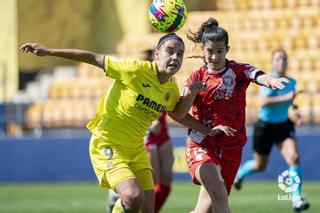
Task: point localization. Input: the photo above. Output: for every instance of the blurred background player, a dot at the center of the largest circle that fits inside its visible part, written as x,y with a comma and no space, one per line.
117,149
160,150
275,127
220,103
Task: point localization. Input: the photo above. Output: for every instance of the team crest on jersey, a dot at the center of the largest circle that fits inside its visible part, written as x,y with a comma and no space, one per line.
228,80
108,152
226,86
167,96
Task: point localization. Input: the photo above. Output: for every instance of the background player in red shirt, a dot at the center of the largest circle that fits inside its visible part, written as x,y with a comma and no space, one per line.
160,151
217,93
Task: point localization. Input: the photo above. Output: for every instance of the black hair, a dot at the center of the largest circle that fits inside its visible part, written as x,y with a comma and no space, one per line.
209,31
167,37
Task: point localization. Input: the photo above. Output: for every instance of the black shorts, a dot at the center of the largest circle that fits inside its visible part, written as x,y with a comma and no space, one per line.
266,134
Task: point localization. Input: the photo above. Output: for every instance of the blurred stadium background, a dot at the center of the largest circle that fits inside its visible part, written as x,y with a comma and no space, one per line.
45,103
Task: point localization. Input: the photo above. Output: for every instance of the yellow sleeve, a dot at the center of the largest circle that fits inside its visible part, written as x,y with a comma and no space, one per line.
120,68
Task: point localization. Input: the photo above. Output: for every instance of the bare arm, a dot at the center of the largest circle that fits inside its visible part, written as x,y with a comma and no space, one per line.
270,100
194,124
184,105
191,122
270,81
72,54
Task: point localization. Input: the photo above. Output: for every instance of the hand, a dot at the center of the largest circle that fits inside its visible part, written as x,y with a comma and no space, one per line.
35,48
222,129
196,87
300,91
298,121
277,83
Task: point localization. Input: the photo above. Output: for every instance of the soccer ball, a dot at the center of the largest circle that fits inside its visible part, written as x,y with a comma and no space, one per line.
167,15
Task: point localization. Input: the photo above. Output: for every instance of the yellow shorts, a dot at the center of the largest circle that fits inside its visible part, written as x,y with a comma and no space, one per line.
114,164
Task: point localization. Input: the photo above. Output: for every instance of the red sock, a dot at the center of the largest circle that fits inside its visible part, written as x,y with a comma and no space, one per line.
161,194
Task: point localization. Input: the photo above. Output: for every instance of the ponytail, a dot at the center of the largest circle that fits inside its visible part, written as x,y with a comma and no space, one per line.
209,31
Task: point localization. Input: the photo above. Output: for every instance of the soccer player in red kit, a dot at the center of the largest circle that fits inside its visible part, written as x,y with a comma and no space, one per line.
161,157
217,92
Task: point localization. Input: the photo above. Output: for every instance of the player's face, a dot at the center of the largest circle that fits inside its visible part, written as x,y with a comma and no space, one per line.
169,56
215,54
279,62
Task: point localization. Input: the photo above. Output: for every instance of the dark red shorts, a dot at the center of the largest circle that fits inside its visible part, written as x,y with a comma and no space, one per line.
153,141
228,158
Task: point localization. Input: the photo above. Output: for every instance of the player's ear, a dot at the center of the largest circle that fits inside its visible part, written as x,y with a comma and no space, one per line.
156,54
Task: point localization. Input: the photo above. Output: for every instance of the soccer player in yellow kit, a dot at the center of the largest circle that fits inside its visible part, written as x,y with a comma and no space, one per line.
141,92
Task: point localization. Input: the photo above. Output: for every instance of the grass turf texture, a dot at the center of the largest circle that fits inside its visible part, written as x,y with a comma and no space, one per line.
255,197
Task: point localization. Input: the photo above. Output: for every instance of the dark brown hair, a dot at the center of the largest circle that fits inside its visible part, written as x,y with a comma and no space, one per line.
209,31
167,37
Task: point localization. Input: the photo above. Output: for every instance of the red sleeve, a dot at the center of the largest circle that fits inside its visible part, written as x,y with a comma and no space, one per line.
193,77
245,71
249,72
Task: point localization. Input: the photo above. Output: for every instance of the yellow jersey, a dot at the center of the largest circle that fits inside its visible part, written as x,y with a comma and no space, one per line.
135,99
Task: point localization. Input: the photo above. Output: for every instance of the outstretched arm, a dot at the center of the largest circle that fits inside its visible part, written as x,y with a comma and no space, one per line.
270,81
72,54
196,125
191,122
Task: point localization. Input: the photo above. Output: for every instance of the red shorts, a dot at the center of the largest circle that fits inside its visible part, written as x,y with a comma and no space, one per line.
153,141
228,158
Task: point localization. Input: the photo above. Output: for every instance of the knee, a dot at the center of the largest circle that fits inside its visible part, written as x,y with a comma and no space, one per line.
133,199
294,159
260,167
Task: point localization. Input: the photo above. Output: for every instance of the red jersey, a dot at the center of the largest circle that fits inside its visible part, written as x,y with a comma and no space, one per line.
223,101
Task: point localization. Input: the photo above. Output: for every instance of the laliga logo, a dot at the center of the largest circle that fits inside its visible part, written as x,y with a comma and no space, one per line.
288,181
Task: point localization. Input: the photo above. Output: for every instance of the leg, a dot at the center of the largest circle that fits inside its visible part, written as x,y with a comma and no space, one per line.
262,145
204,202
146,182
163,186
131,194
166,162
154,159
112,198
209,175
290,153
148,206
258,164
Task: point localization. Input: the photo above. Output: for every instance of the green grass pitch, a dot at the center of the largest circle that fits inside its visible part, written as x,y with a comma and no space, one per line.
255,197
